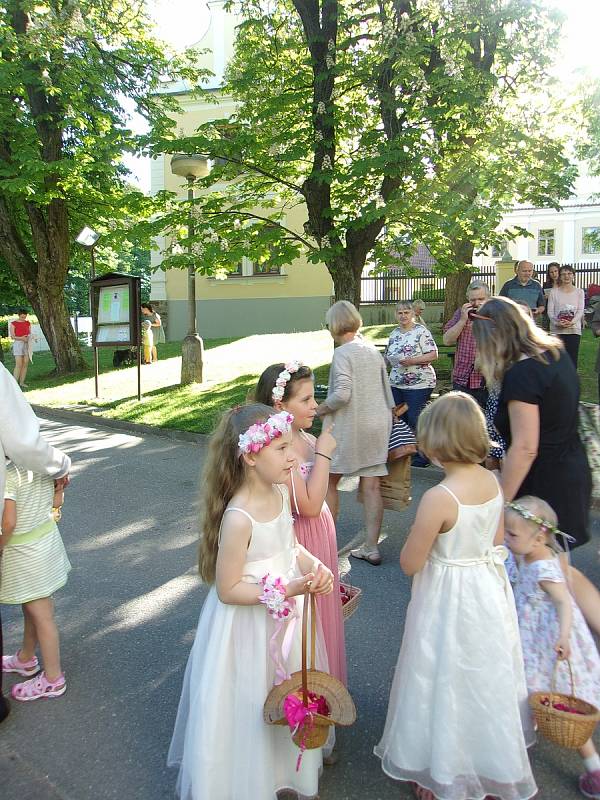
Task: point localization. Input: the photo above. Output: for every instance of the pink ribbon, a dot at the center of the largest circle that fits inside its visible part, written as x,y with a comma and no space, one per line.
298,715
281,654
296,712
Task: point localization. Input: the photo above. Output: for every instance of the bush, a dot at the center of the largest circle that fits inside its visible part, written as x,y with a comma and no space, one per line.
430,295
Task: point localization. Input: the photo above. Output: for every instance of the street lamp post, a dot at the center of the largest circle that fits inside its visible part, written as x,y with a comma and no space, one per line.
88,238
190,167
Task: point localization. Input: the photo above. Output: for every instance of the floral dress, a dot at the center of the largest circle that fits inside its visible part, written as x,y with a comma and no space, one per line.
408,344
539,628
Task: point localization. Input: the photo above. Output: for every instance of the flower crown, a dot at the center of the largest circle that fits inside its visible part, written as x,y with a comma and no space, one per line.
545,525
261,434
283,378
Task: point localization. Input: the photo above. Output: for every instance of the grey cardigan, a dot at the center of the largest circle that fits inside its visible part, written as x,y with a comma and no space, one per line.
360,400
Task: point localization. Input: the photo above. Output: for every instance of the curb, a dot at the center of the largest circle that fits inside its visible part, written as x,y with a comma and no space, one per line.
138,429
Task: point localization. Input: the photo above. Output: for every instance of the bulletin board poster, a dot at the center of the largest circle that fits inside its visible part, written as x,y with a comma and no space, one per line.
113,307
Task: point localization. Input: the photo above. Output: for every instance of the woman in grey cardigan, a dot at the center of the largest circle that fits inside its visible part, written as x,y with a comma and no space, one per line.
359,402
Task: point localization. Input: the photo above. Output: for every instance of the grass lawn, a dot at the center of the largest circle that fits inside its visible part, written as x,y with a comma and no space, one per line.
231,368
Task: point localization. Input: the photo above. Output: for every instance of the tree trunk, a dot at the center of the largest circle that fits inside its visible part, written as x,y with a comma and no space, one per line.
457,282
42,275
51,311
346,279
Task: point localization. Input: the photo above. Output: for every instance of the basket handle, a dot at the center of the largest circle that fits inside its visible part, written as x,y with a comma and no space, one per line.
554,672
313,636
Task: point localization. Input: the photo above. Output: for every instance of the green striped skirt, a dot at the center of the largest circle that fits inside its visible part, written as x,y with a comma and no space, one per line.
33,565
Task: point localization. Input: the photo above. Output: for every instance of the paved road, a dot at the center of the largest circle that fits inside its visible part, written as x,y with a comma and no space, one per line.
128,616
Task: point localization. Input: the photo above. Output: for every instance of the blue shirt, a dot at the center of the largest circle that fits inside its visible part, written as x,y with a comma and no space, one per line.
530,295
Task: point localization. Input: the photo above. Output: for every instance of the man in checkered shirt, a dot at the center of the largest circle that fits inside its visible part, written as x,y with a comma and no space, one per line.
459,331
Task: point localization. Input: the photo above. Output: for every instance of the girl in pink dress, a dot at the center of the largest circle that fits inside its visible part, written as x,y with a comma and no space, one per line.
290,387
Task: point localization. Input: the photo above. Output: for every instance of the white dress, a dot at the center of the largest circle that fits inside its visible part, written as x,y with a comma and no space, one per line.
539,626
224,748
458,701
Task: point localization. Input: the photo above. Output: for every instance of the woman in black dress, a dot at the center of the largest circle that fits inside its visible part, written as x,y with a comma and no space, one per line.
537,413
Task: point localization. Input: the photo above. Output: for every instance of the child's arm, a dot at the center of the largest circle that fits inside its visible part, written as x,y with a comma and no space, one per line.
321,580
9,521
559,594
59,494
235,538
435,510
309,495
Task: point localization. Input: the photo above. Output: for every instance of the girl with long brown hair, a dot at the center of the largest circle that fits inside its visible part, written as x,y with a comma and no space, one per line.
248,638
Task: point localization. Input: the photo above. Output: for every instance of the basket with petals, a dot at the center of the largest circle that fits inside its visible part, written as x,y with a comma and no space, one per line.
562,718
350,599
309,701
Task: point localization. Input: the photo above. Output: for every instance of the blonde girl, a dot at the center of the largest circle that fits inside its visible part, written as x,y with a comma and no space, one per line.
248,635
33,566
454,727
290,387
550,622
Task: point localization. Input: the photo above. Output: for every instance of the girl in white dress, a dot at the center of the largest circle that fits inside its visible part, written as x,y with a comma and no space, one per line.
550,621
458,702
248,636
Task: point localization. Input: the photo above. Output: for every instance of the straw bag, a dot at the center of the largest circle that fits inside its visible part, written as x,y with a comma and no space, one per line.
314,729
570,726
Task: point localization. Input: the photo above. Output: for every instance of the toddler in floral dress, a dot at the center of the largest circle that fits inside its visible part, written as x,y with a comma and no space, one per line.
550,622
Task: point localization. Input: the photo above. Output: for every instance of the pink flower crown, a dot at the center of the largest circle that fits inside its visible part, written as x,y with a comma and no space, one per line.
261,434
283,378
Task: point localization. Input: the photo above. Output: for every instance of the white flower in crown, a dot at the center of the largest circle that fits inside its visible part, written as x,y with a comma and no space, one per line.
283,377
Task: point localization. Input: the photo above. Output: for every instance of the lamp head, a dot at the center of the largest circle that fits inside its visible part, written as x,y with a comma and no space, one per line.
87,237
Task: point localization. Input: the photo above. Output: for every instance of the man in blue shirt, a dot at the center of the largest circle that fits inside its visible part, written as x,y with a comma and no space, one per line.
524,289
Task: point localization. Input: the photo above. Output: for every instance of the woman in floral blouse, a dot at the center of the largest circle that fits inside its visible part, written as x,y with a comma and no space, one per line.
410,351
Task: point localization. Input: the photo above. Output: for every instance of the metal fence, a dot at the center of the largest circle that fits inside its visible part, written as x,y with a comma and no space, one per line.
390,288
429,287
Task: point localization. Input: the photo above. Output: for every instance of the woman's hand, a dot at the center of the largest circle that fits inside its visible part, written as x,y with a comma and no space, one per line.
406,362
326,444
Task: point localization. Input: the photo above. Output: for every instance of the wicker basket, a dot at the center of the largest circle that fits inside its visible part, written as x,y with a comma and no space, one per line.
341,707
349,608
564,728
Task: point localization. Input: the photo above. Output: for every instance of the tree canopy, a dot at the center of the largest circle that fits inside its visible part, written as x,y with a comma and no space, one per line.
390,123
65,68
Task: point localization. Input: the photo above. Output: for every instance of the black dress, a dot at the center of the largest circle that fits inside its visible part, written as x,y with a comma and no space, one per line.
560,474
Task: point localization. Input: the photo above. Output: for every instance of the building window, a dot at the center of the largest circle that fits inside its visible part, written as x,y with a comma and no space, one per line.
265,269
590,241
546,242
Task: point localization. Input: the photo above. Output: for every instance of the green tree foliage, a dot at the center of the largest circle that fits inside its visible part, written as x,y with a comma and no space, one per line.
65,67
389,123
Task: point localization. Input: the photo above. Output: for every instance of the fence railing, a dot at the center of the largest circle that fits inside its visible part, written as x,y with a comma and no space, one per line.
429,287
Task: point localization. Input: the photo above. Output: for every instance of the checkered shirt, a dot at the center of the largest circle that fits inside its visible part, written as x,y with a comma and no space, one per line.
464,373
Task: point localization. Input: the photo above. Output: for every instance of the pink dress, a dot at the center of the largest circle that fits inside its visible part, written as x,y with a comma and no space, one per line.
317,535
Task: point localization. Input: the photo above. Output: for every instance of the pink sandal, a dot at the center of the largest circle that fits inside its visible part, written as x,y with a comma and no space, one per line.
14,664
38,687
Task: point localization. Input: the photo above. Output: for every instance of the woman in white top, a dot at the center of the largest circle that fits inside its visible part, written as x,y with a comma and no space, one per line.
565,311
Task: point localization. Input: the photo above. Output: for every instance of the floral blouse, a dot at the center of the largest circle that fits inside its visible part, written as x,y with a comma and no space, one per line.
410,344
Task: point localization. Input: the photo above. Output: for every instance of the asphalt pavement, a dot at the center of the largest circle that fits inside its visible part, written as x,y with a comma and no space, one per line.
128,616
